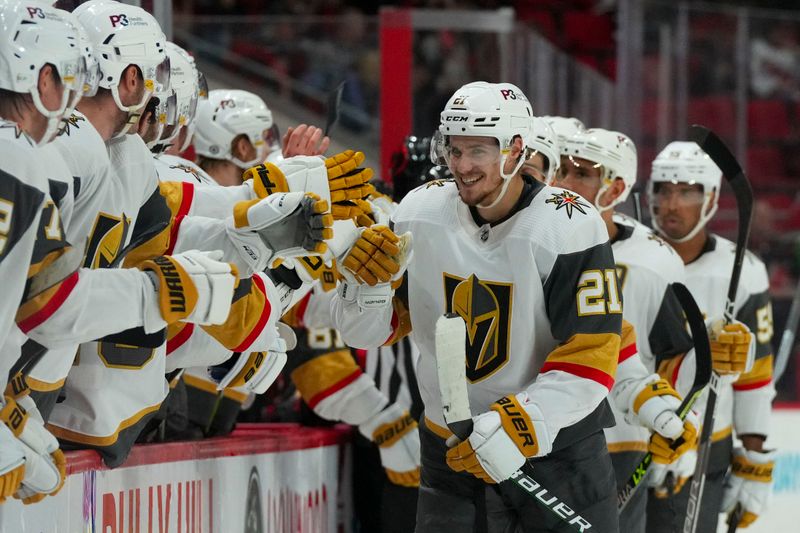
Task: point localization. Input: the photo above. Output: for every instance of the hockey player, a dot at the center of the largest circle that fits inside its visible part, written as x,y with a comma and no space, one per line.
42,80
121,201
683,193
530,269
601,167
235,131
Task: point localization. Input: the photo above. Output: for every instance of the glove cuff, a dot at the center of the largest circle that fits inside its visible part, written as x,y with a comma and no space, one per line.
659,387
753,465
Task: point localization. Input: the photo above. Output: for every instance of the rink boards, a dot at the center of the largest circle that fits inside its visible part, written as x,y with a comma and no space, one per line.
258,480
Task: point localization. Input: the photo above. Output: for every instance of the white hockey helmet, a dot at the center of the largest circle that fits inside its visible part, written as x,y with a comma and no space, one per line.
202,94
124,35
543,141
614,151
564,128
184,82
227,114
685,162
482,109
33,35
92,79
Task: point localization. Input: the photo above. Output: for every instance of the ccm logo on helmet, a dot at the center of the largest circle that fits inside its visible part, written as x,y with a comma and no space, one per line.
455,119
35,12
118,20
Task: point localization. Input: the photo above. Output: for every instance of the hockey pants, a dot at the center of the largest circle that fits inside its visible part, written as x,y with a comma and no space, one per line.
581,474
634,518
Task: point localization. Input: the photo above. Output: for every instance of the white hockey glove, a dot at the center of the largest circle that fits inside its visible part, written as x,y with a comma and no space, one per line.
256,371
749,483
337,179
502,439
679,471
378,256
45,465
397,436
289,224
733,347
192,286
12,463
653,407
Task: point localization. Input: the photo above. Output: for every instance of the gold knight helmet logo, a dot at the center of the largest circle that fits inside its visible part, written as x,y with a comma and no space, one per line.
106,240
485,306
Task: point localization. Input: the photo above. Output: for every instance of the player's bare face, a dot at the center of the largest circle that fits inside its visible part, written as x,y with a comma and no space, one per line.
580,176
677,207
475,164
536,167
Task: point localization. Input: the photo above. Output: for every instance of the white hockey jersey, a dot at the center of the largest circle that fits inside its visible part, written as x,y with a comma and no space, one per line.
537,290
746,404
646,266
119,381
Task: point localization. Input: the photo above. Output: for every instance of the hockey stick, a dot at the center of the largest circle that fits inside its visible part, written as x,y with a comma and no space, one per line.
451,368
702,375
787,339
334,103
724,159
637,205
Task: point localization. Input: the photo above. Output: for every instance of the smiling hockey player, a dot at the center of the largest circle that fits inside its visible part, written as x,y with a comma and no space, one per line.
530,269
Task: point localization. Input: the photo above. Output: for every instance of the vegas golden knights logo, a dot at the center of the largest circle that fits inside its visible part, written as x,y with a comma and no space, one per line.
105,242
485,306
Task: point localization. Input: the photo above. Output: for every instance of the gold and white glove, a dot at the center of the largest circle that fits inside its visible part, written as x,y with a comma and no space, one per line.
378,256
397,436
749,484
12,463
502,439
337,179
45,466
654,407
290,224
192,286
732,347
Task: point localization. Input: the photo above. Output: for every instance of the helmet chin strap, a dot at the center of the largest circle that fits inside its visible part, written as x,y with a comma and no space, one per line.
506,180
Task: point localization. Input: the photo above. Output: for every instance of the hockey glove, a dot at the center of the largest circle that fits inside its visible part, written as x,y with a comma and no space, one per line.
502,439
749,483
12,463
378,256
337,178
732,347
256,371
193,286
397,436
45,466
289,224
654,408
679,473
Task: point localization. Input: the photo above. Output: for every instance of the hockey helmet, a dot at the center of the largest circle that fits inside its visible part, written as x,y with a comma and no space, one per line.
124,35
34,35
616,154
544,141
685,162
229,113
482,109
564,128
184,80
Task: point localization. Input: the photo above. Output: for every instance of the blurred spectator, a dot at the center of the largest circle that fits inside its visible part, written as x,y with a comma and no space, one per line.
774,62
